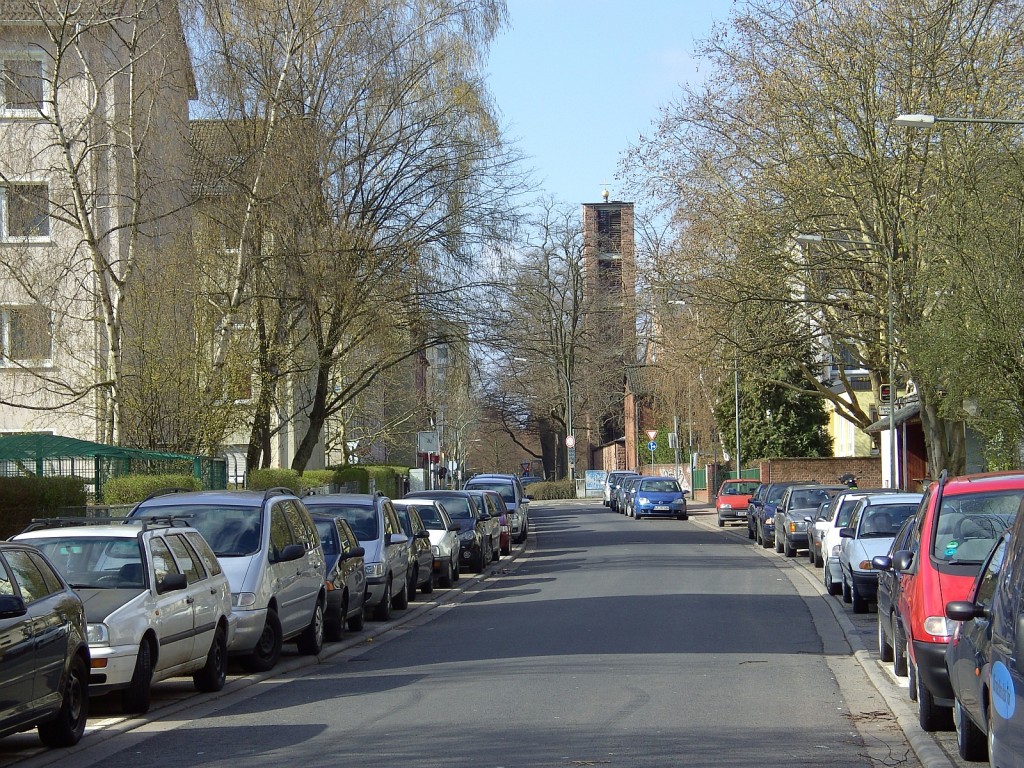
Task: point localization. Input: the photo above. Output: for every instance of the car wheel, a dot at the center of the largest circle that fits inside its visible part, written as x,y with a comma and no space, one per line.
779,547
818,560
445,579
311,641
456,571
268,648
135,698
428,585
334,626
930,715
789,549
401,598
412,583
750,532
860,603
847,596
830,586
356,621
383,610
496,552
911,679
507,549
884,649
899,648
721,523
211,677
971,741
65,729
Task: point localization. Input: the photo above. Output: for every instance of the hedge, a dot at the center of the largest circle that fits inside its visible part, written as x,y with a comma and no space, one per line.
389,480
24,498
128,489
261,479
552,489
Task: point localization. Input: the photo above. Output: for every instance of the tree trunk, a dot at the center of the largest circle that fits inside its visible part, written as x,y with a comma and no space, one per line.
944,440
317,416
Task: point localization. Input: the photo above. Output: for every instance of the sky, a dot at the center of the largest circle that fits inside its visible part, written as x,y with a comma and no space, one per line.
578,81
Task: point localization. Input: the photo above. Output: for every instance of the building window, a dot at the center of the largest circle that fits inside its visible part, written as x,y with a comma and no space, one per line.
25,335
23,84
25,211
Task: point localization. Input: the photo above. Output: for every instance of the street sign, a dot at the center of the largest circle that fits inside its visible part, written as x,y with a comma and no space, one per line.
885,393
883,410
652,446
572,457
652,433
570,441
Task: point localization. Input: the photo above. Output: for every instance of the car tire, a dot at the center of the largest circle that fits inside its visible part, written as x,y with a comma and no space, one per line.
830,586
445,579
818,560
930,715
356,621
268,648
428,585
789,549
400,600
885,651
65,729
750,532
847,594
383,610
496,552
971,741
456,571
211,677
899,648
860,603
412,584
507,549
911,679
334,626
779,547
721,523
135,698
311,641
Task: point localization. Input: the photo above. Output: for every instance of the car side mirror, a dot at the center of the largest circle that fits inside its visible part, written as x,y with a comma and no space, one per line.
12,606
685,492
529,497
454,527
484,517
881,563
354,552
903,561
808,519
395,538
291,552
846,533
172,582
423,535
965,610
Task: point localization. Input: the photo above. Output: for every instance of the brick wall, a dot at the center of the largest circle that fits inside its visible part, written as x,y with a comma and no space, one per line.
868,470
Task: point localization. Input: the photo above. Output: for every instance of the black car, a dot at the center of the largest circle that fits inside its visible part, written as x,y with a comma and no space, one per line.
753,507
474,538
421,560
44,664
892,645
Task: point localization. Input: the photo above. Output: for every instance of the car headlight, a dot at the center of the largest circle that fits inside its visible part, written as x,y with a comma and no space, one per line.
725,506
466,536
97,634
243,599
374,570
939,626
643,500
435,550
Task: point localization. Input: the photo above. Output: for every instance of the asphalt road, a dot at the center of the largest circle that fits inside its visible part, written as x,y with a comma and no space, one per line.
607,642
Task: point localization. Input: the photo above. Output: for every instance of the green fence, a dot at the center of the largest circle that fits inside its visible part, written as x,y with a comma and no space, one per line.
700,480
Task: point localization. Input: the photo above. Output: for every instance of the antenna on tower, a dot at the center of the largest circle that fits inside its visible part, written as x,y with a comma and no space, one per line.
604,191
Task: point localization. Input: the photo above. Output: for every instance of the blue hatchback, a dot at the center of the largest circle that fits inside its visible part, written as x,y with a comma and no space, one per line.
659,497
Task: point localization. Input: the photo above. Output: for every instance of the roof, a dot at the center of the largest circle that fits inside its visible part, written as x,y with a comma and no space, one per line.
35,447
901,416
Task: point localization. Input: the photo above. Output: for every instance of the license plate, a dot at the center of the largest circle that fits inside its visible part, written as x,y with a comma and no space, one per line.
661,509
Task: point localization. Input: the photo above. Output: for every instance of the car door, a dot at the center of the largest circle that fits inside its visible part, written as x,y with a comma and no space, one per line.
17,651
352,571
171,613
396,543
309,570
206,598
51,625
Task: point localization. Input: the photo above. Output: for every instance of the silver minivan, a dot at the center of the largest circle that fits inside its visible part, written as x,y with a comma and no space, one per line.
270,551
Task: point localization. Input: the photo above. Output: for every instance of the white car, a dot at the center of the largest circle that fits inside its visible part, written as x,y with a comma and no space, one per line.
873,525
838,517
157,603
444,538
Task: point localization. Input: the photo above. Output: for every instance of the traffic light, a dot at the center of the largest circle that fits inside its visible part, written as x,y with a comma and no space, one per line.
885,393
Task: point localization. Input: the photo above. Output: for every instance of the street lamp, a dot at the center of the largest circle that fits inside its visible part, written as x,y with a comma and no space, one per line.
928,121
811,239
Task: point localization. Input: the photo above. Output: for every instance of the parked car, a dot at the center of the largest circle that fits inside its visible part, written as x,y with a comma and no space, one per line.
753,509
474,542
492,509
839,513
611,481
270,552
815,531
873,525
997,620
631,487
157,602
892,645
622,493
659,497
765,531
792,512
375,523
421,560
615,486
44,675
517,501
959,521
346,576
444,538
969,657
732,500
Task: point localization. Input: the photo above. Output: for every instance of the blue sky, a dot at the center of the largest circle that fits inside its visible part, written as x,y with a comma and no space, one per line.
577,81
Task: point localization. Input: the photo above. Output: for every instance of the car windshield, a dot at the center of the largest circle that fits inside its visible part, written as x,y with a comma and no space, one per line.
808,498
738,489
457,506
968,525
230,530
504,489
95,562
775,494
845,511
362,518
659,486
325,530
884,520
430,515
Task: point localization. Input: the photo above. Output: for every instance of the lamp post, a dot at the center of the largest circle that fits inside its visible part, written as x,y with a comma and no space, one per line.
928,121
811,239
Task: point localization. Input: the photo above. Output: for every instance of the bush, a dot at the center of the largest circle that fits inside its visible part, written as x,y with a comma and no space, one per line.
552,489
272,477
129,489
25,498
388,480
314,478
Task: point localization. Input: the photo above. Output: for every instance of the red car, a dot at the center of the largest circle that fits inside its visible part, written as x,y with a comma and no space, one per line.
731,502
959,521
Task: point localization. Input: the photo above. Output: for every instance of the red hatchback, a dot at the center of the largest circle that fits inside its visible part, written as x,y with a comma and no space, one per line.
731,502
958,522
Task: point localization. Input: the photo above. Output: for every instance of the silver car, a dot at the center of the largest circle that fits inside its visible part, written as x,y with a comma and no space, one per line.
444,538
797,504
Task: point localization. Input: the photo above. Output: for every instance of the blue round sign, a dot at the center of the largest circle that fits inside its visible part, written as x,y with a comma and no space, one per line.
651,445
1003,698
